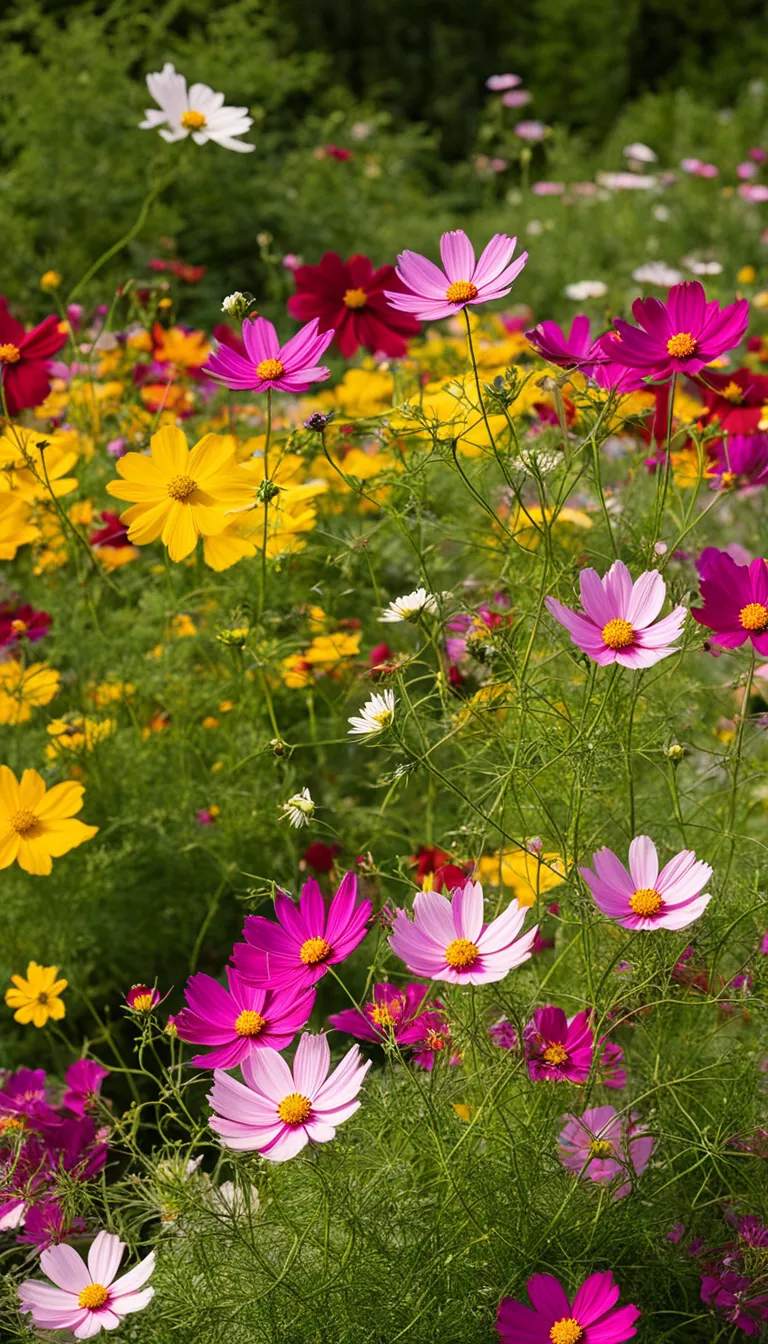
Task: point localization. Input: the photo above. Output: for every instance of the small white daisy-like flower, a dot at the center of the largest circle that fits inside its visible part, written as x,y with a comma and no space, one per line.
196,111
657,273
299,809
232,302
585,289
375,715
410,607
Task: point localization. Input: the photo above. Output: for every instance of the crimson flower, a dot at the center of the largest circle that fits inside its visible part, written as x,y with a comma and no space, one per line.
19,620
113,533
735,400
348,297
24,359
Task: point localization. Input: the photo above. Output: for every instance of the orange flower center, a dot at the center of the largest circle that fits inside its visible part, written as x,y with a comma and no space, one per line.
192,121
600,1148
10,1122
646,901
681,345
732,392
461,952
249,1023
181,487
434,1040
294,1109
269,369
23,822
19,627
9,354
355,298
754,616
566,1331
461,291
555,1053
93,1296
382,1016
314,950
618,633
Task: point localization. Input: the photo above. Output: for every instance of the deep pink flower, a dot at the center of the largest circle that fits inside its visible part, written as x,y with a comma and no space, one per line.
278,1111
434,1038
645,898
142,998
448,940
394,1014
298,950
602,1146
559,1049
681,335
88,1299
46,1224
590,1319
240,1019
348,298
18,621
740,460
503,1034
25,357
83,1079
568,352
268,364
735,600
432,293
608,372
619,615
25,1094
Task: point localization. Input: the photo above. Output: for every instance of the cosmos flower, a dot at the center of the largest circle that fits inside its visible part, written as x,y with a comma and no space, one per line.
348,298
735,600
376,714
239,1019
278,1111
410,607
198,112
657,273
645,898
23,689
552,1319
681,335
618,621
19,620
25,358
739,460
734,400
393,1014
568,352
448,940
83,1079
296,951
86,1299
267,364
558,1048
142,998
432,293
602,1145
36,997
37,824
581,290
299,808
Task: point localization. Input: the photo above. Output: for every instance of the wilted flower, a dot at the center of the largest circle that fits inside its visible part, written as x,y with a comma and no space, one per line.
299,808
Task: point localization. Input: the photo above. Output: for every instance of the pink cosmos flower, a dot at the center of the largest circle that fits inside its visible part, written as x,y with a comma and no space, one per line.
740,460
645,898
395,1014
681,335
433,293
297,951
558,1048
239,1019
142,998
735,600
266,364
568,352
602,1145
619,615
590,1319
277,1112
83,1079
86,1299
447,939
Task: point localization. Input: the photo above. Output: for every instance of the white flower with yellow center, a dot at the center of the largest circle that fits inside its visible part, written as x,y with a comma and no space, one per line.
299,809
196,111
410,607
375,716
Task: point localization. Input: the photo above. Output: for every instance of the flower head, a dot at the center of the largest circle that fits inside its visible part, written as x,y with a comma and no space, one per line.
618,621
299,808
375,716
297,950
196,111
410,607
37,997
568,352
349,299
735,599
557,1048
37,824
740,460
432,293
20,621
25,358
86,1298
589,1319
142,998
278,1111
83,1079
267,364
239,1019
734,400
681,335
393,1014
603,1146
645,898
448,940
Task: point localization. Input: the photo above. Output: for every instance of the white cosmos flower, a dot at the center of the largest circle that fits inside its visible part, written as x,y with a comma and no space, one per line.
702,267
586,289
196,111
411,606
299,808
375,715
639,152
657,273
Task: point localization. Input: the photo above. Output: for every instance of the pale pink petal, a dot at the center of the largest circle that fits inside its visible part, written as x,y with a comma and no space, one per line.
679,917
434,917
311,1064
421,276
135,1278
268,1072
467,905
458,255
64,1267
104,1258
493,259
290,1142
643,862
594,598
502,930
612,872
134,1301
320,1132
647,598
618,586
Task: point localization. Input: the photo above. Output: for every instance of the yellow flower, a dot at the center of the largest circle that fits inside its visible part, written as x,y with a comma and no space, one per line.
51,280
16,526
23,467
104,693
746,275
76,734
37,825
210,721
297,672
525,874
182,626
328,650
36,998
22,689
180,495
184,349
567,518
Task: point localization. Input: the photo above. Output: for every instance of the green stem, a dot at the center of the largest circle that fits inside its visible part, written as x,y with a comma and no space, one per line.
128,237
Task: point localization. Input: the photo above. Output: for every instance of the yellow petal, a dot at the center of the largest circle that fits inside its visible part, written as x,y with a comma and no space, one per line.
213,452
9,848
63,800
140,469
9,791
170,452
146,524
33,858
40,1014
57,1009
179,533
31,790
26,1014
225,550
16,998
58,837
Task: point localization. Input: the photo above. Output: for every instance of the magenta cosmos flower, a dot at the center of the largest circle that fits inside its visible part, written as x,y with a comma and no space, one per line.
239,1019
681,335
268,364
559,1049
619,615
86,1298
740,460
568,352
447,939
396,1014
83,1079
297,951
645,898
735,600
277,1112
603,1146
432,293
552,1319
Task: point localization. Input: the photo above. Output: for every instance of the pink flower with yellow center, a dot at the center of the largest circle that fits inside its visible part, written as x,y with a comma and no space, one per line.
735,600
86,1298
307,939
432,293
645,898
619,623
267,364
239,1019
448,939
679,336
592,1317
605,1147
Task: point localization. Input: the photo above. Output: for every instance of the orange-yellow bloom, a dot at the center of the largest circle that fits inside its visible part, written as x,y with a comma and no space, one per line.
37,997
38,824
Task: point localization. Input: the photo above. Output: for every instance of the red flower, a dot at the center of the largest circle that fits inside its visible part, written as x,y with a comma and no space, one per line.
181,269
431,860
114,533
320,856
24,357
735,399
348,297
18,620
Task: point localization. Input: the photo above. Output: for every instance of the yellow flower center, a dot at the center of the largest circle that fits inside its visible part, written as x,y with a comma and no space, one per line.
294,1109
732,392
461,952
681,345
383,718
269,369
461,291
600,1148
355,298
754,616
618,633
555,1053
314,950
434,1040
9,354
181,487
10,1122
566,1331
249,1023
382,1016
646,901
19,627
142,1003
93,1296
727,480
192,121
23,822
